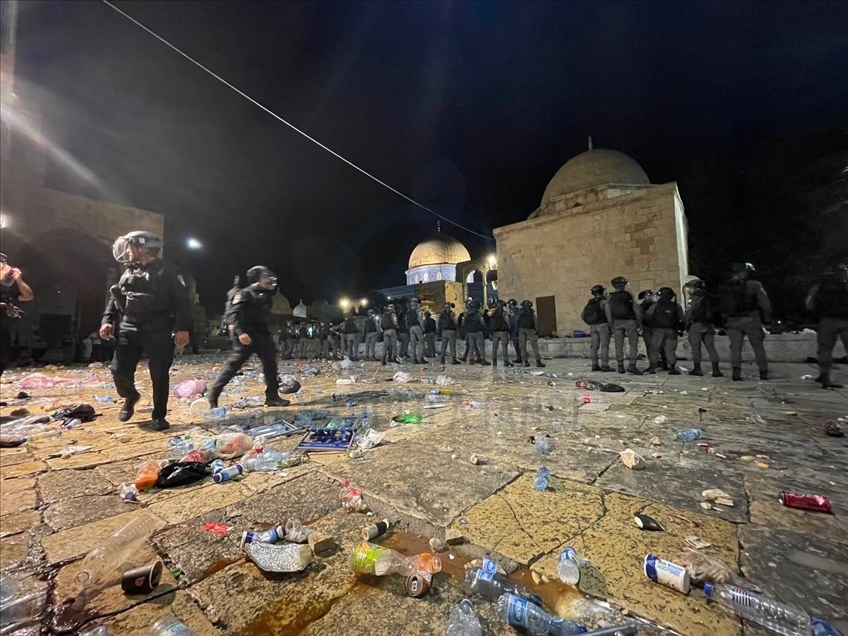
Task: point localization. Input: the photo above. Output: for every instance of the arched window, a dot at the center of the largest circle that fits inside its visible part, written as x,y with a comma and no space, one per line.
426,276
439,275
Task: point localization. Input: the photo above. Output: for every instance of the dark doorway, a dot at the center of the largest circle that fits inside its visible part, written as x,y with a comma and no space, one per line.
546,313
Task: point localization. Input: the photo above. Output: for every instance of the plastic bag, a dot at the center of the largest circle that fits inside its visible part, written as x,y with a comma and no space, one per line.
230,445
289,385
189,388
181,473
403,377
81,412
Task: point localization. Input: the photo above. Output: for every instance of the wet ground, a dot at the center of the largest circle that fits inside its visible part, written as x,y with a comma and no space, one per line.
54,510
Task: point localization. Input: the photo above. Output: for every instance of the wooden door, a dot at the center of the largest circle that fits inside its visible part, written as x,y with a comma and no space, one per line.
546,314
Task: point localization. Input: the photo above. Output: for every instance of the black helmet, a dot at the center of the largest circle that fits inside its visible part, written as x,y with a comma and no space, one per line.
696,283
474,305
645,293
512,302
427,314
526,303
257,273
598,290
619,282
139,238
667,293
390,308
742,269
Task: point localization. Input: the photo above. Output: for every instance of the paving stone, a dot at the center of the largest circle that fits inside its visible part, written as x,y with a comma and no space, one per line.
797,569
81,539
18,501
22,468
306,498
11,456
82,510
14,550
521,523
186,505
138,620
17,523
60,486
83,460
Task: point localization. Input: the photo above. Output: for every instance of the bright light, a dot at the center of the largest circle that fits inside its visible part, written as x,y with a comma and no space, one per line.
345,303
193,244
363,302
4,222
493,262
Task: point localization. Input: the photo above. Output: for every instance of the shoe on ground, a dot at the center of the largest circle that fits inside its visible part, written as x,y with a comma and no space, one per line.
621,368
509,364
526,364
633,370
128,408
160,424
276,401
213,403
607,369
675,371
455,361
737,375
764,375
596,367
539,363
485,363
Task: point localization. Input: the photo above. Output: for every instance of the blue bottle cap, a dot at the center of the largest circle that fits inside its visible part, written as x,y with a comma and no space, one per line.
708,588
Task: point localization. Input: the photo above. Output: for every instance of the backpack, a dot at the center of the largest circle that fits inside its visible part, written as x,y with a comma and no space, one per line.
386,322
447,322
525,319
621,305
704,310
350,325
593,313
735,299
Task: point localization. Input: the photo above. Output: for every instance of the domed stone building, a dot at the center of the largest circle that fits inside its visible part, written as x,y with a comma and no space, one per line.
600,217
435,259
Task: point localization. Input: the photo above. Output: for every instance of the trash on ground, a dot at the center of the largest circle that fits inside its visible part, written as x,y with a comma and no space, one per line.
542,479
296,532
463,621
279,557
68,451
667,573
142,580
718,496
181,474
647,522
757,608
755,418
661,419
369,439
520,613
688,435
489,581
375,530
568,566
273,535
833,429
632,459
696,542
812,503
369,558
217,528
351,498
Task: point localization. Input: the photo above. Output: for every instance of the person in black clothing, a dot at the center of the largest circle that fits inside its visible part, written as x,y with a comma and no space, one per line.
828,299
475,330
369,332
699,322
288,335
150,310
429,335
416,333
13,290
647,298
528,330
594,314
402,330
447,327
350,340
666,316
389,325
745,306
625,319
512,307
251,308
499,326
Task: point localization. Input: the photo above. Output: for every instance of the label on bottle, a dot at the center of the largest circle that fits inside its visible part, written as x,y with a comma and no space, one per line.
568,554
365,557
488,570
517,611
667,573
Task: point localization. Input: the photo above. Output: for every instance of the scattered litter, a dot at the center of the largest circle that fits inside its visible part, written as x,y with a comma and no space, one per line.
68,451
654,441
436,545
703,567
661,419
285,557
813,503
756,418
647,523
474,460
667,573
632,459
696,542
833,429
217,528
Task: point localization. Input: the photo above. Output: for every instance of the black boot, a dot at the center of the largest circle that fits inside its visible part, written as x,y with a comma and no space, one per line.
276,400
442,361
485,362
763,375
664,365
696,370
632,369
607,369
128,408
675,371
539,363
509,364
596,367
651,370
716,371
160,424
213,402
737,374
827,383
621,368
526,363
455,361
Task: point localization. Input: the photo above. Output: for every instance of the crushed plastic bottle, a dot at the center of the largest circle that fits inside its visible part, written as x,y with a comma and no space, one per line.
487,583
351,498
128,492
436,398
296,532
543,444
147,475
368,558
19,610
102,566
756,418
774,615
169,625
542,479
517,612
688,435
661,419
217,413
180,447
106,399
266,461
269,431
463,621
568,566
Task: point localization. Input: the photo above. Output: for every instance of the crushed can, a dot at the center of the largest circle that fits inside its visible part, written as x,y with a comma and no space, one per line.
667,573
813,503
268,536
418,584
375,530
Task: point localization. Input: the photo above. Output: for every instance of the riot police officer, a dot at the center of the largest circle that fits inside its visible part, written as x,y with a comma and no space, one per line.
350,337
150,310
429,335
594,314
646,299
528,330
625,319
666,316
389,325
251,308
447,326
745,306
512,306
369,332
699,322
828,299
416,333
499,326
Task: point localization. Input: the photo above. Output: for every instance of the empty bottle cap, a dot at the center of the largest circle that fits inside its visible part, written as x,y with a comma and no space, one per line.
708,588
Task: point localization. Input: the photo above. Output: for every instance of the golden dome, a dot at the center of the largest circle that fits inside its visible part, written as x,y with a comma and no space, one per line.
592,169
439,250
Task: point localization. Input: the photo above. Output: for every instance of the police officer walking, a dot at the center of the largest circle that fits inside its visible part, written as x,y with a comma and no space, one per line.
350,346
416,333
369,333
429,335
389,325
148,310
594,314
528,330
447,326
699,322
745,306
251,308
828,299
625,319
666,316
499,326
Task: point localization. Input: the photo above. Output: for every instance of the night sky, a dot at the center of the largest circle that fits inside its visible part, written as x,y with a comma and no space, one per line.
469,107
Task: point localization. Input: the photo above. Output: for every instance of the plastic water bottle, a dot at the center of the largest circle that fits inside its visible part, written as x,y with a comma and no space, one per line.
688,435
104,398
216,413
543,445
568,566
519,613
487,583
462,620
228,473
269,431
217,466
168,625
180,447
543,478
436,398
778,617
266,461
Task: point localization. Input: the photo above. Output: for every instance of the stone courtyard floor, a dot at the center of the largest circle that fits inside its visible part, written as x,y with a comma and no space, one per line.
54,510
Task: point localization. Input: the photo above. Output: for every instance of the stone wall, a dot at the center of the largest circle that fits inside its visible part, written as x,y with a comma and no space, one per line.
641,235
780,348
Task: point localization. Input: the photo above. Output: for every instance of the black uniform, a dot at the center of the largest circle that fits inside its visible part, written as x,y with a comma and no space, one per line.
666,319
251,309
9,297
148,305
829,301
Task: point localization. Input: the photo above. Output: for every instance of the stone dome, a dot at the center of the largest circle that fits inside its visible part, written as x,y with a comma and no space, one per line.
592,169
439,250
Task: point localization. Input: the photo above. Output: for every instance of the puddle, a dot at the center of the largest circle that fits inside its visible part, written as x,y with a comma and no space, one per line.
219,565
557,596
